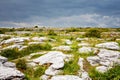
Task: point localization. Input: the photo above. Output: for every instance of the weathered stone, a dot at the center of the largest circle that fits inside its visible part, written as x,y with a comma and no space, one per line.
9,64
40,39
62,48
109,45
3,59
7,73
93,60
13,46
65,77
85,50
101,69
84,44
68,42
44,77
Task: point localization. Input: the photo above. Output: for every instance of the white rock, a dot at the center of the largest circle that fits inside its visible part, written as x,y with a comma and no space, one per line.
84,44
101,69
65,77
68,42
3,59
9,64
109,45
10,73
51,71
106,63
62,48
31,43
80,63
106,54
13,46
85,76
15,40
40,39
44,77
55,57
85,50
31,64
93,60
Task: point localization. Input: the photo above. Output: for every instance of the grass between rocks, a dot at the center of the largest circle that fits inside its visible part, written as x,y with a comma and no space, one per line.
14,53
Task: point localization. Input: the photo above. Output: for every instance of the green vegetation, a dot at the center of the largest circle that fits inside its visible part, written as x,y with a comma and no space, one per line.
21,64
112,74
71,67
15,53
93,33
36,56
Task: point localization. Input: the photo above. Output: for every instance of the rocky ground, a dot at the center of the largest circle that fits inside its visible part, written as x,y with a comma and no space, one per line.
56,57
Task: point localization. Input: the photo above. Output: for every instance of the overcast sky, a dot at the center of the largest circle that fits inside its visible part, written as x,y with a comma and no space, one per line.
60,13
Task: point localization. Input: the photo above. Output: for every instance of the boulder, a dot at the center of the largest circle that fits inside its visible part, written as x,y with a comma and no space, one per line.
84,44
65,77
3,59
109,45
93,60
68,42
51,71
9,64
44,77
102,69
85,50
62,48
7,73
40,39
13,46
56,58
15,40
107,54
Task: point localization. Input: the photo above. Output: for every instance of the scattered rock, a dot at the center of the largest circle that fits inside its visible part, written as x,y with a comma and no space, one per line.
93,60
44,77
84,44
13,46
68,42
3,59
62,48
102,69
32,43
109,45
15,40
7,73
65,77
40,39
9,64
85,50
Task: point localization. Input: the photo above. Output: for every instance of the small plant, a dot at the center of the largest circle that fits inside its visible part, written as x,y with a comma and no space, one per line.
21,64
39,71
71,67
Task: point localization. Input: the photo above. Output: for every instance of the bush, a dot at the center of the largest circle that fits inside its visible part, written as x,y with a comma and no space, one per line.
39,71
51,32
10,53
93,33
21,64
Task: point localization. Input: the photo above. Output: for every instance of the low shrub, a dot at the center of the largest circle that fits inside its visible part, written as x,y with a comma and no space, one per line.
10,53
51,32
21,64
93,33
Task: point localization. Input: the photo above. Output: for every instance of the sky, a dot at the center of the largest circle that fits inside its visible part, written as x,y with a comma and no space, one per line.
60,13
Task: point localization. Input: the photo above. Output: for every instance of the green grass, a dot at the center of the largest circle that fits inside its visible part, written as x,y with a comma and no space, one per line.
36,56
112,74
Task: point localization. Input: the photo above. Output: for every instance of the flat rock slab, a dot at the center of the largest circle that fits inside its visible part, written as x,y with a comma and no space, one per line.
65,77
109,45
10,73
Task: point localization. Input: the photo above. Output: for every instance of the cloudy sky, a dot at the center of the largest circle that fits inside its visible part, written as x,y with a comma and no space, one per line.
60,13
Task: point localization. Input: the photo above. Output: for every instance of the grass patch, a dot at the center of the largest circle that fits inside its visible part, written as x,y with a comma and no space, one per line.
36,56
71,67
112,74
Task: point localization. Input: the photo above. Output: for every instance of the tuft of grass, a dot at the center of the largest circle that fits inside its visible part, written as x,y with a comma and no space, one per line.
112,74
71,67
36,56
